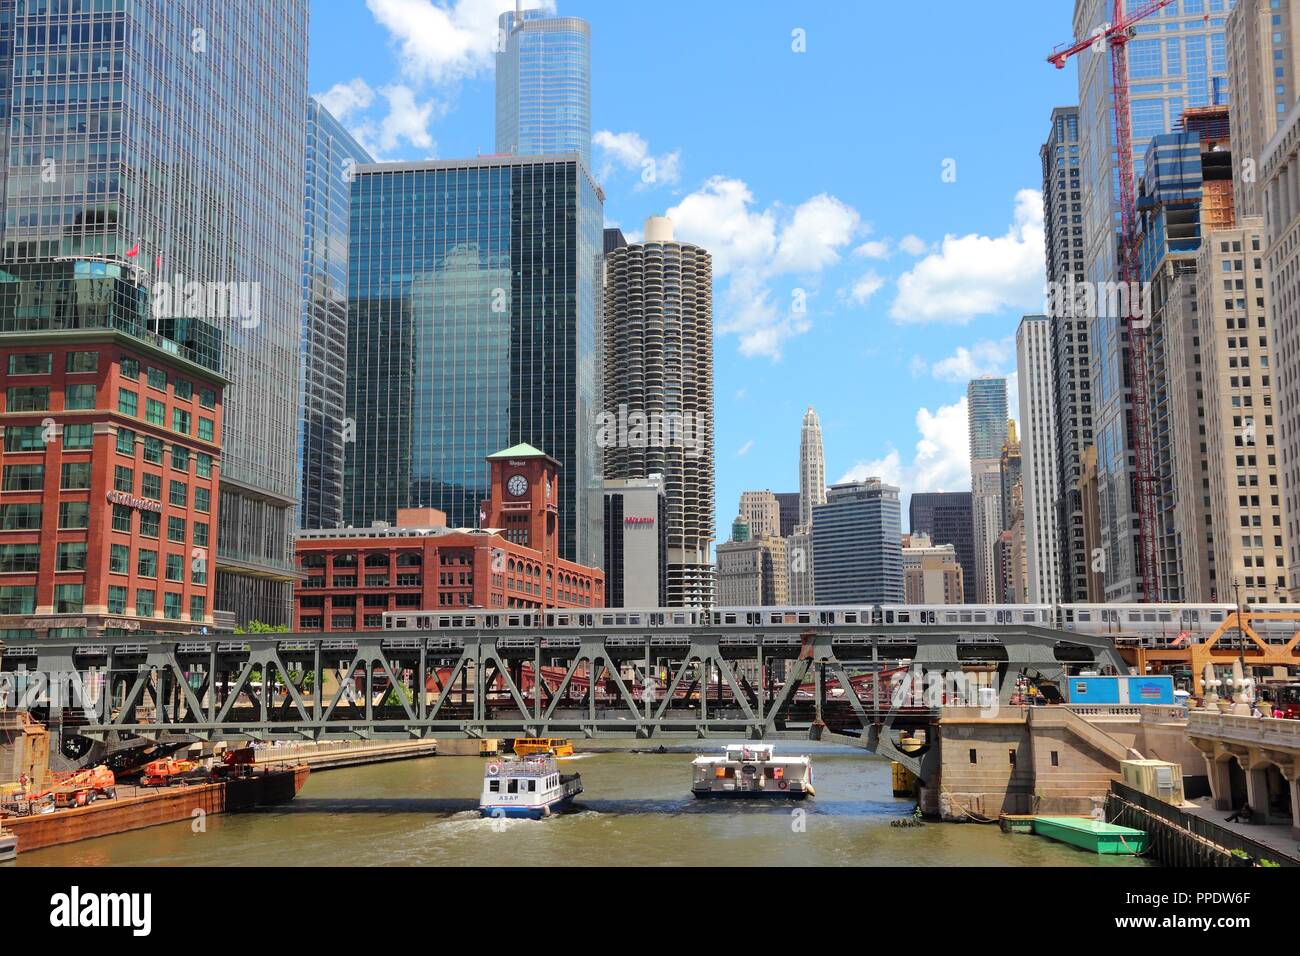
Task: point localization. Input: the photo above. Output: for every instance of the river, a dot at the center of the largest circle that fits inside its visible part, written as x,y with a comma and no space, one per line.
636,810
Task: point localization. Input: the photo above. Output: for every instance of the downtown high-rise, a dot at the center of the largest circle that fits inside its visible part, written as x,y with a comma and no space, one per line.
1063,238
474,307
1177,60
945,518
1039,472
332,157
857,538
986,404
168,151
543,84
657,415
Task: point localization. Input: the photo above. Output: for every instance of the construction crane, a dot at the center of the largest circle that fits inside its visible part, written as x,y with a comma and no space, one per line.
1116,35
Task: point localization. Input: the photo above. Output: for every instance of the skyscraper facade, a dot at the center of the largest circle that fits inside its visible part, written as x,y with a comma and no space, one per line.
1063,235
858,542
474,298
986,404
1263,37
1177,59
177,156
657,415
788,503
986,401
332,157
761,511
1039,444
543,76
1280,176
945,517
812,467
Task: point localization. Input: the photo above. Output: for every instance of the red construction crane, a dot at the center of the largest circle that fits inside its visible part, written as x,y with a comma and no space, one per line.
1116,35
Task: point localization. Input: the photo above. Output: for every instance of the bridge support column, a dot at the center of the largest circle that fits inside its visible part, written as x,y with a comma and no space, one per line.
1220,774
1257,793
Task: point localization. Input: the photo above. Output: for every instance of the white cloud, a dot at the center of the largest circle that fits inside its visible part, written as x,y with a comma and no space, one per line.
344,99
866,286
630,151
753,247
745,449
975,275
941,459
913,245
875,249
406,120
819,228
986,357
443,41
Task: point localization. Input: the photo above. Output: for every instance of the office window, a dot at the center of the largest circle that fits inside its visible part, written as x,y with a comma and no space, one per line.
21,517
18,599
122,518
72,556
32,363
175,568
207,398
128,402
153,450
176,530
78,437
76,476
69,599
151,487
200,534
83,362
180,458
179,494
24,477
144,602
171,606
130,368
126,442
155,413
116,599
79,397
150,521
28,398
24,438
201,500
198,608
119,559
180,421
146,563
206,429
124,479
157,379
20,558
74,515
203,465
183,390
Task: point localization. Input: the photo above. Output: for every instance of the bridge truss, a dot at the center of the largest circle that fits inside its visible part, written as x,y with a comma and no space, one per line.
778,682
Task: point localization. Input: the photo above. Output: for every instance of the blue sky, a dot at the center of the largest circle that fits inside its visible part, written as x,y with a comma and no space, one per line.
871,202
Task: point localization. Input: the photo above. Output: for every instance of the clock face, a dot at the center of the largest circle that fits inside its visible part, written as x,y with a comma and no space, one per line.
517,486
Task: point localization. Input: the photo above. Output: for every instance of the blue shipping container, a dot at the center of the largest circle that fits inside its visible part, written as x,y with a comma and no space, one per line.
1129,689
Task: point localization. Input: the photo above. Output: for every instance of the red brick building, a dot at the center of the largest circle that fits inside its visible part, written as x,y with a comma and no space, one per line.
111,455
352,576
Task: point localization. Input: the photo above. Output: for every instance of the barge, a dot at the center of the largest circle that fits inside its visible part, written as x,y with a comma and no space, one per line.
750,771
1098,836
528,787
136,809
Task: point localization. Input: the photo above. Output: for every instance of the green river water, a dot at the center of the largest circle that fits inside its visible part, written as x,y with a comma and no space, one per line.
637,809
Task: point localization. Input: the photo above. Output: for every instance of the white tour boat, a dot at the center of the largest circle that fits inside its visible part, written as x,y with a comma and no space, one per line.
530,787
748,770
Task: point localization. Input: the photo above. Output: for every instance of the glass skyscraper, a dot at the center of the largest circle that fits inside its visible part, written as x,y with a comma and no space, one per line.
986,403
543,73
332,158
474,302
857,538
1177,59
169,138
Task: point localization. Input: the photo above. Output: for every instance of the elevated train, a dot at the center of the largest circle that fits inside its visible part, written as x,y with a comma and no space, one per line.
1149,624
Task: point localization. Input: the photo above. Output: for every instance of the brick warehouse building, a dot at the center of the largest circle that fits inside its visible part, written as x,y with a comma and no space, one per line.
352,576
108,502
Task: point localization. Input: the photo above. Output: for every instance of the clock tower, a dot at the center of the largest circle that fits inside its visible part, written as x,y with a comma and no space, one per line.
524,498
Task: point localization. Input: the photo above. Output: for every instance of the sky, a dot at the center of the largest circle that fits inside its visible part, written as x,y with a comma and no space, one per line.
865,174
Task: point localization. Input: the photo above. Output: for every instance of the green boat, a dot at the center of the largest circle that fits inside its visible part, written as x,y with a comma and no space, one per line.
1094,835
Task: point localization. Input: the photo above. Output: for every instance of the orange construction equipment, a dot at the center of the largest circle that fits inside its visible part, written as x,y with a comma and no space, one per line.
78,789
163,773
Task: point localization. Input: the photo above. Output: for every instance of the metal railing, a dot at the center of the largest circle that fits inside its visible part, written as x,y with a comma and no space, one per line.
1220,836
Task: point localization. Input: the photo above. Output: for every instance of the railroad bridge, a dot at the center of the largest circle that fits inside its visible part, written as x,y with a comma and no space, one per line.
770,682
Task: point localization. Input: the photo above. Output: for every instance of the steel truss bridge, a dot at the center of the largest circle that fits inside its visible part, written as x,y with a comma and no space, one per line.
769,682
